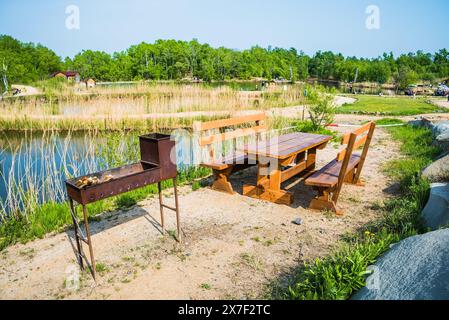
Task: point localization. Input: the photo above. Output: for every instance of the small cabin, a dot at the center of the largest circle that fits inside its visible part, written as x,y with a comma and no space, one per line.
90,83
69,75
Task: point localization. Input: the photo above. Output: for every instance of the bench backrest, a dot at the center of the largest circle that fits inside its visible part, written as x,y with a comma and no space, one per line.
218,131
359,137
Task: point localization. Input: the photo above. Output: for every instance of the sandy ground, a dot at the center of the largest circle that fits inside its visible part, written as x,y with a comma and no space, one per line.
234,245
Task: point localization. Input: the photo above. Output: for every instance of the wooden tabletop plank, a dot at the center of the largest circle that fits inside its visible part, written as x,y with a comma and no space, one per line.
286,145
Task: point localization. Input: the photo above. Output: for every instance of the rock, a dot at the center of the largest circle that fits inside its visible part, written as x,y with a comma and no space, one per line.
439,129
414,269
436,212
297,221
438,171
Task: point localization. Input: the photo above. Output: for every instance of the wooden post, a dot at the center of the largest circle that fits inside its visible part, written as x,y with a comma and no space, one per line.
344,166
311,159
364,153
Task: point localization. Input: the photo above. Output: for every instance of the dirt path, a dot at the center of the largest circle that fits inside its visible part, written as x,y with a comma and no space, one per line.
442,102
233,247
25,90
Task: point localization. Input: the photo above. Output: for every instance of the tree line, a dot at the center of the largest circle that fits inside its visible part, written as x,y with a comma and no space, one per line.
174,60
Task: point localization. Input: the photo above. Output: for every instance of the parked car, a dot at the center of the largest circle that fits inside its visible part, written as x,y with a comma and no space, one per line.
411,90
442,90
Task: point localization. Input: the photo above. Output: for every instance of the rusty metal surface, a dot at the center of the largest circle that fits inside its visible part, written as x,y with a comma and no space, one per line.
156,164
158,149
124,179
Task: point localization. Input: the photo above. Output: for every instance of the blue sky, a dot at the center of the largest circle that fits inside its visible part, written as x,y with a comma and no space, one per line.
113,25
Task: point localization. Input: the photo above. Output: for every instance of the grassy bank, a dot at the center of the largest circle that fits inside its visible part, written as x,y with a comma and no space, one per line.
54,216
392,106
344,272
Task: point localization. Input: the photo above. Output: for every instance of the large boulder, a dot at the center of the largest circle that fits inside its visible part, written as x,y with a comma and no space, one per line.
414,269
438,171
436,212
439,129
441,133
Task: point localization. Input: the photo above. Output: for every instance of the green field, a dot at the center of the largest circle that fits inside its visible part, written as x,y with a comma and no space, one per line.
394,106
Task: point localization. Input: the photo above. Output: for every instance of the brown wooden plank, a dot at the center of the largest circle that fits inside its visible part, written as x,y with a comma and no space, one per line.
303,147
364,152
296,143
293,171
283,141
328,175
357,145
357,131
215,124
225,162
275,196
204,141
360,142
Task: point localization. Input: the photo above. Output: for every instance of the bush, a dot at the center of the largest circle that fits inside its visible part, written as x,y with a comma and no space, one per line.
321,111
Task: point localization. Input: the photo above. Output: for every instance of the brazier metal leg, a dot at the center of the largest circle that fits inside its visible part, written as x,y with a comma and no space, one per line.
77,236
89,241
178,222
161,205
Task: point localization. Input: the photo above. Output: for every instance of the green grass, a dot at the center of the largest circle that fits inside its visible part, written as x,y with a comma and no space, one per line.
52,216
205,286
342,273
388,121
394,106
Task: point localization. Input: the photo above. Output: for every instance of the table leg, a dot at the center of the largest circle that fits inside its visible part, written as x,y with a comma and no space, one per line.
269,187
311,159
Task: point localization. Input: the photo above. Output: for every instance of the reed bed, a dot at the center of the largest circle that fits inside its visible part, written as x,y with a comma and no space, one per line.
142,106
38,165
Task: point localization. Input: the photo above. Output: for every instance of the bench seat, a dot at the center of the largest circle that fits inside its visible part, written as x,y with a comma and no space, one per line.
227,161
328,175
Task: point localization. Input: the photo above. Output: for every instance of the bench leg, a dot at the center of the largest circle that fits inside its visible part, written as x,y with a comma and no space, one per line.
324,202
221,182
351,178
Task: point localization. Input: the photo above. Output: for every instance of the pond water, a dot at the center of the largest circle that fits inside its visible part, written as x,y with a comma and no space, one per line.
40,163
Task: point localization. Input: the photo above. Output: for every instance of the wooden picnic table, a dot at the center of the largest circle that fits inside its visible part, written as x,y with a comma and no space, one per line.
279,159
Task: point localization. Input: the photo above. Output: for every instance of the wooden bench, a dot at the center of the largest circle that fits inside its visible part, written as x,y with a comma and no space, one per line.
346,168
212,134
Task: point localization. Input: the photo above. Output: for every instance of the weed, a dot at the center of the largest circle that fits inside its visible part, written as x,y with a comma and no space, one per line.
205,286
101,267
